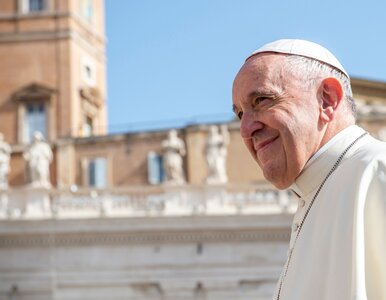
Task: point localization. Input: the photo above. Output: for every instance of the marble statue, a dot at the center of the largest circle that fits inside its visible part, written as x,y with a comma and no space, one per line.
216,153
173,151
5,152
38,157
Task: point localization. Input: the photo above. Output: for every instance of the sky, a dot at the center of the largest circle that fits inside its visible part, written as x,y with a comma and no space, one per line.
171,63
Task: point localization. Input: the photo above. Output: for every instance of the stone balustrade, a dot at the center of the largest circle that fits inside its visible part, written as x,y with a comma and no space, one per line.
227,199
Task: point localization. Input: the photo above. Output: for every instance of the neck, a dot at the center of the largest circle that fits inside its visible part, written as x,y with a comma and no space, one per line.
335,126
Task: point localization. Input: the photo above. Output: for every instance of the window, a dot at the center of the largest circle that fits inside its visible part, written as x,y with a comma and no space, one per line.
155,172
88,71
32,6
88,126
87,10
97,172
36,5
33,111
35,120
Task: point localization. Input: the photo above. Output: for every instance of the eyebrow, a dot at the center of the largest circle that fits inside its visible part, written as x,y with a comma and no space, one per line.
251,95
257,94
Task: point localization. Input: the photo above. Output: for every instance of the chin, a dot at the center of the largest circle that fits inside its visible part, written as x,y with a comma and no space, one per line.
279,183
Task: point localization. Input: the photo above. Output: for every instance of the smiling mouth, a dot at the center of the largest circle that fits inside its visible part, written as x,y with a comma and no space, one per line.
266,143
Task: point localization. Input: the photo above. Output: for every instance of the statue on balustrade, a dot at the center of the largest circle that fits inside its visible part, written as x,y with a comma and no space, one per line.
173,151
38,157
216,154
5,153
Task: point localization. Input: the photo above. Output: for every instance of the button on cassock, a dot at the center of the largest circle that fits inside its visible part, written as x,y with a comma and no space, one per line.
295,227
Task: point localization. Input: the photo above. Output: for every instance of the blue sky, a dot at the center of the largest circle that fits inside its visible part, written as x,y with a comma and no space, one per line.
172,63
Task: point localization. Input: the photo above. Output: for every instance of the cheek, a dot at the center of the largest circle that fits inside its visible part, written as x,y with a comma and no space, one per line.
294,147
290,144
248,143
279,119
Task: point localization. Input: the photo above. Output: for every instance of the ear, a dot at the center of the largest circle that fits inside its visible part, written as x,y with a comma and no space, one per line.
330,95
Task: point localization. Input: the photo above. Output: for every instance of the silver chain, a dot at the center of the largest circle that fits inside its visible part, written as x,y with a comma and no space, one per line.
335,166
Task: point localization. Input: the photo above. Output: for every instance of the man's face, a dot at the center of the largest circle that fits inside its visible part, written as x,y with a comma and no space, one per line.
279,117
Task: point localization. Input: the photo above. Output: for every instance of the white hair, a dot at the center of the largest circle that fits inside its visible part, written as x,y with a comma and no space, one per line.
311,69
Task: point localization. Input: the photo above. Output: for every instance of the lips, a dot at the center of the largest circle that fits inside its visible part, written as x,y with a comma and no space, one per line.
265,143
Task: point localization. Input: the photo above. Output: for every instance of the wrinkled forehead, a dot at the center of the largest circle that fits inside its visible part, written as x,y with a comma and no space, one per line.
263,67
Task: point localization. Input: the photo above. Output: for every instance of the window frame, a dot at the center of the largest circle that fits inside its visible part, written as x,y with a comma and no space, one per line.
34,93
27,137
88,127
25,7
88,71
155,170
86,162
87,10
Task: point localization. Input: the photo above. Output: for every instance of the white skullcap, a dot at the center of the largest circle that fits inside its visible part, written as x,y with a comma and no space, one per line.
302,48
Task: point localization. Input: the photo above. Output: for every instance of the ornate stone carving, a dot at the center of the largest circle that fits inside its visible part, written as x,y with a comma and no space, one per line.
93,95
216,153
34,92
173,151
38,157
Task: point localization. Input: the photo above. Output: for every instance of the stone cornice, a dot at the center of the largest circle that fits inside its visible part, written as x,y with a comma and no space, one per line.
7,17
153,230
51,35
32,15
153,237
144,224
34,36
371,88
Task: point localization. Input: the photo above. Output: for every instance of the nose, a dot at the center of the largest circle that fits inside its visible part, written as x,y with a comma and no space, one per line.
249,125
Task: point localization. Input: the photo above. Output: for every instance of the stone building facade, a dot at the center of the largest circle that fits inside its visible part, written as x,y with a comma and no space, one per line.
52,55
108,227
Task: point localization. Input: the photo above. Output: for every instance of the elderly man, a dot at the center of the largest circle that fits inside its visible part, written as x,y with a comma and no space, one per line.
297,114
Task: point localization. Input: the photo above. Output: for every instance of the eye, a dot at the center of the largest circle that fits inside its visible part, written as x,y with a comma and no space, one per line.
240,115
261,100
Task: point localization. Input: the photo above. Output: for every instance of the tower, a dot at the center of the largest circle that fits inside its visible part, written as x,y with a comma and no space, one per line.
52,61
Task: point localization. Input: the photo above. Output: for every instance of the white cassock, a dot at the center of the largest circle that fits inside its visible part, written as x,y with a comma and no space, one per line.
340,251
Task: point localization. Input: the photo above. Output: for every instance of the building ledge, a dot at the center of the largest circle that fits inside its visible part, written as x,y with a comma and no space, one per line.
27,203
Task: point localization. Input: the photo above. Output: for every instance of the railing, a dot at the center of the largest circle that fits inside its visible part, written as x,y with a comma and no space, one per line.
229,199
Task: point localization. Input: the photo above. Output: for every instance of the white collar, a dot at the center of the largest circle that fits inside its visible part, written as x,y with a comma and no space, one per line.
321,162
348,131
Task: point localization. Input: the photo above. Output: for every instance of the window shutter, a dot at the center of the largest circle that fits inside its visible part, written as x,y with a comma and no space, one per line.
154,168
100,174
97,172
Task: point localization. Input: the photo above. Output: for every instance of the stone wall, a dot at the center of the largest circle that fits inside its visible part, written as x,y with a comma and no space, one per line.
181,257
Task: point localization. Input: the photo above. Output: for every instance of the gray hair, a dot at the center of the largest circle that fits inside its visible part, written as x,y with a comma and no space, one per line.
312,69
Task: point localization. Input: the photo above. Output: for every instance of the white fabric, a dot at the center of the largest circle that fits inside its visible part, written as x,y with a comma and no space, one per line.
302,48
340,253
